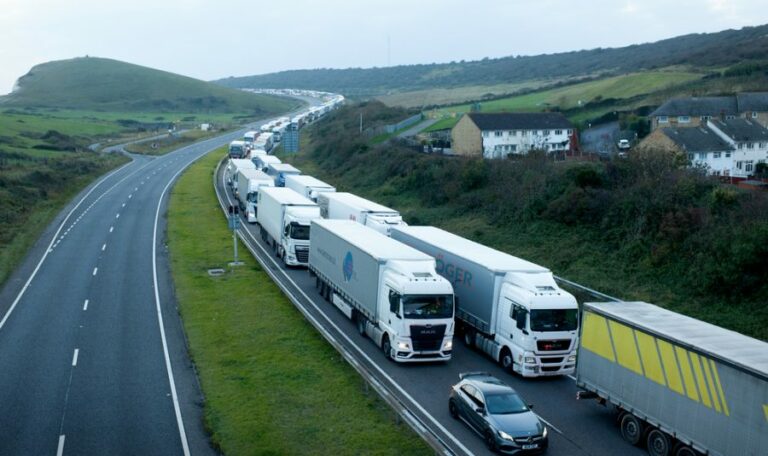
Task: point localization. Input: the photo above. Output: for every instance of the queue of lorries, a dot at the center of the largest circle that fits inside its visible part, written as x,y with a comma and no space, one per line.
681,386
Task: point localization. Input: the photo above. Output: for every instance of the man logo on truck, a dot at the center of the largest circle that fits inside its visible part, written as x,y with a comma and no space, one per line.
455,275
348,267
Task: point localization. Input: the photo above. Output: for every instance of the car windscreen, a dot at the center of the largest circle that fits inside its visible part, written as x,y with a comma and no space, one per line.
428,306
554,319
504,403
299,232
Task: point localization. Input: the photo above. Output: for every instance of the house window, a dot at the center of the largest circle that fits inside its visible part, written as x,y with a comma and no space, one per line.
690,157
486,134
546,132
730,117
716,155
663,119
524,133
728,154
750,145
762,145
702,155
558,132
514,147
513,133
741,145
749,166
498,133
706,117
569,132
739,164
684,119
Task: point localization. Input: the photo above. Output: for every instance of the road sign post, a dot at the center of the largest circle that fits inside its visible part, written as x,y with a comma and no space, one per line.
234,224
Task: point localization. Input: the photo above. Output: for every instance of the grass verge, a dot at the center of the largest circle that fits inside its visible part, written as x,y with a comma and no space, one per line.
162,146
272,383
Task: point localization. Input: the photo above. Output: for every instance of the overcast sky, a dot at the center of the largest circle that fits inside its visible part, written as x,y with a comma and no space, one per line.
219,38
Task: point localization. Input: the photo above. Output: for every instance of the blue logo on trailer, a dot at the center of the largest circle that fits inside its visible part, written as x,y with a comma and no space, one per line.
348,267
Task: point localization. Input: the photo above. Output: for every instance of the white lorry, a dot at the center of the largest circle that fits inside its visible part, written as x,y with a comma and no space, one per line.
347,206
262,161
264,142
249,138
391,291
280,170
237,149
235,164
308,186
284,216
507,307
249,181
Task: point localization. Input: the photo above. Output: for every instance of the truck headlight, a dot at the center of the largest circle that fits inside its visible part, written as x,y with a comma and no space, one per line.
403,346
448,345
572,359
530,360
506,436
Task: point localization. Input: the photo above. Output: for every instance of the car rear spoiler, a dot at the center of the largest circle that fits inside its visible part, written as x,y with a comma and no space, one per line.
464,375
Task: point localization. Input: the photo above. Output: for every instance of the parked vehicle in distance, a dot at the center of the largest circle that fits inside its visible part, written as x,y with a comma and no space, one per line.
623,144
498,413
307,186
235,164
347,206
237,149
249,181
681,386
391,291
262,161
507,307
284,216
279,171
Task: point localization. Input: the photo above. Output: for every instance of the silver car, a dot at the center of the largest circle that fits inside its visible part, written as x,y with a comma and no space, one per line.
495,411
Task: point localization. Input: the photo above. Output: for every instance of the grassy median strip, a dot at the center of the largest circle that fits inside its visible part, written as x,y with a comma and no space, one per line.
273,385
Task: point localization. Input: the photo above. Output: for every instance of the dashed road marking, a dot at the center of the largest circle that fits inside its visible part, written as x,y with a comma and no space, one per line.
104,247
74,357
95,270
85,305
111,228
60,449
117,216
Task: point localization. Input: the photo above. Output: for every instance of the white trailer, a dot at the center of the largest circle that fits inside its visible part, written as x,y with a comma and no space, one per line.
249,181
235,164
347,206
391,291
308,186
279,171
284,216
262,161
507,307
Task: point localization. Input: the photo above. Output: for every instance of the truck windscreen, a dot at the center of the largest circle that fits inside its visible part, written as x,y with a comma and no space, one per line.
299,232
554,320
428,306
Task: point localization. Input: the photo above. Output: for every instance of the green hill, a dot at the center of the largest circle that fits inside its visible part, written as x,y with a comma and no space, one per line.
89,83
711,50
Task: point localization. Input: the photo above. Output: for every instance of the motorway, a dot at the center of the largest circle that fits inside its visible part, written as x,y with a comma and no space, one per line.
576,427
93,358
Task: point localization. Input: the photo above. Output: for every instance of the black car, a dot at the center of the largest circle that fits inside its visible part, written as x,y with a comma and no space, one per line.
498,413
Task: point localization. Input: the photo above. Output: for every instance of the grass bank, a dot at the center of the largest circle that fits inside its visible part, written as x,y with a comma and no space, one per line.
272,383
169,143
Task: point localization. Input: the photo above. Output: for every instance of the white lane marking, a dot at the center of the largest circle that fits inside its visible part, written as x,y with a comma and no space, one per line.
74,357
85,305
130,196
104,247
111,228
549,424
135,189
45,255
117,216
123,204
95,270
60,449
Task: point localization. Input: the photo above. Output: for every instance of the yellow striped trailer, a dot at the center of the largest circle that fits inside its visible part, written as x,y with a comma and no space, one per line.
682,386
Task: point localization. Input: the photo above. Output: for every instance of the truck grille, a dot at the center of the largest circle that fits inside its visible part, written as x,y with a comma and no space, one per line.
553,345
302,254
551,360
550,368
427,338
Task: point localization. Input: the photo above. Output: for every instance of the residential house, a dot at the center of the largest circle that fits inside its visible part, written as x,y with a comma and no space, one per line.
729,148
497,135
694,111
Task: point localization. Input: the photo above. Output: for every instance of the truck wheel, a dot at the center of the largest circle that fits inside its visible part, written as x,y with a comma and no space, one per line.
657,443
469,337
685,450
386,347
505,359
631,429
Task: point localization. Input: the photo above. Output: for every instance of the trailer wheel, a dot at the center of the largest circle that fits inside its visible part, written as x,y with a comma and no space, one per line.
657,443
505,359
386,347
631,428
360,320
469,337
685,450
